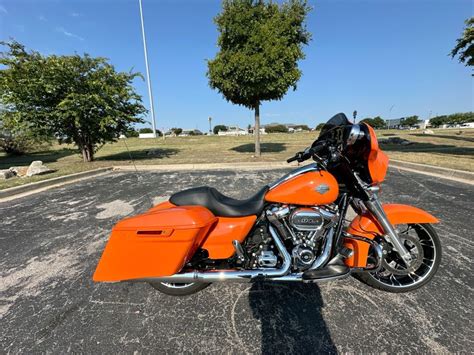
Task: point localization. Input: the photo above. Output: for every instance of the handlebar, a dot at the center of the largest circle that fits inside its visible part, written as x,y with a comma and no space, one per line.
306,154
292,159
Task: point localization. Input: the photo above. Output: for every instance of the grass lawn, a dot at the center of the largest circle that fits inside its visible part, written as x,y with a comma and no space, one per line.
446,148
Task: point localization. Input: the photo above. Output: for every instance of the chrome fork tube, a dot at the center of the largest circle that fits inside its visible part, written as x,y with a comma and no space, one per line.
375,207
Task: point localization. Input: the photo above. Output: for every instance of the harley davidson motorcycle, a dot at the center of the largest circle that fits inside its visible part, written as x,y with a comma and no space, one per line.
294,229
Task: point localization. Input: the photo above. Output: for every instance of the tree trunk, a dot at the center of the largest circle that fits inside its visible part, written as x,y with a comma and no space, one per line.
256,131
90,148
87,153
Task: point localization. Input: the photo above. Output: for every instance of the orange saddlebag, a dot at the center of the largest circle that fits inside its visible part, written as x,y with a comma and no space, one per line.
156,243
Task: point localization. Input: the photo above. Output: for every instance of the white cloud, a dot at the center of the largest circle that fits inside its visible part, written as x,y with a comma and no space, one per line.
75,14
42,18
3,10
69,34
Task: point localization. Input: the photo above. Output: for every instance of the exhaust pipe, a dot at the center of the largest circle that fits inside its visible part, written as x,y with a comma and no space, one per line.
238,276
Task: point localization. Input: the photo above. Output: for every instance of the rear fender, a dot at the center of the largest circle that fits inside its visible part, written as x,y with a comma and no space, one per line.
366,225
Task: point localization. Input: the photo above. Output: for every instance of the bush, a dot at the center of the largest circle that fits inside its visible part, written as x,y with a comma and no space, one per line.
18,143
276,129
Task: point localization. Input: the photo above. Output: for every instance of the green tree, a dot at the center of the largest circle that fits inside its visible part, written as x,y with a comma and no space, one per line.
77,99
177,131
17,139
376,122
145,130
438,121
320,126
465,45
411,121
131,133
279,128
218,128
454,118
260,45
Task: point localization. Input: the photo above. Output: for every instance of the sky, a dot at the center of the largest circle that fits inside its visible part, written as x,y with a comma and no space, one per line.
379,57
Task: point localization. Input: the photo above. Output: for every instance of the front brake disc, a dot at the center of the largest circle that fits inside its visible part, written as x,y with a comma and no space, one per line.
396,266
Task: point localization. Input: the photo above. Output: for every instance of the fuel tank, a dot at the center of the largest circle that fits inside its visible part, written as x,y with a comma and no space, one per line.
310,188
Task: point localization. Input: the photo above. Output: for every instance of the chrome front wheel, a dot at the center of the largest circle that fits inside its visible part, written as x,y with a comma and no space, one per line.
423,244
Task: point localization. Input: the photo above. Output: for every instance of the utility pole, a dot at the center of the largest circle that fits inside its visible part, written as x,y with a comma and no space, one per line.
210,125
150,94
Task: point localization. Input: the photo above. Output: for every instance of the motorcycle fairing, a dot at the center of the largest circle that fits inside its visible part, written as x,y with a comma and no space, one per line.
366,225
377,161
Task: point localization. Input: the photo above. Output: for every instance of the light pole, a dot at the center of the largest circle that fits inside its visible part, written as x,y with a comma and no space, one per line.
210,125
150,94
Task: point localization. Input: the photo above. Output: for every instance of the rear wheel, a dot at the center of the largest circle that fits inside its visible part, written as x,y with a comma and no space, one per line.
423,244
179,289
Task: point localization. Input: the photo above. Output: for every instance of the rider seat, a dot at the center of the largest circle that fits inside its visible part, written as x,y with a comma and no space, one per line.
219,204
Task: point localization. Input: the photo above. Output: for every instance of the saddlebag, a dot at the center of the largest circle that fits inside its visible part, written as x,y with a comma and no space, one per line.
156,243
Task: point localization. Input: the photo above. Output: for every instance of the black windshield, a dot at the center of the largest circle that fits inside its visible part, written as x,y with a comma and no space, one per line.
336,121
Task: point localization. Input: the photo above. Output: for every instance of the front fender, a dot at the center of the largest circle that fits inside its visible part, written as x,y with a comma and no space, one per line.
396,214
367,226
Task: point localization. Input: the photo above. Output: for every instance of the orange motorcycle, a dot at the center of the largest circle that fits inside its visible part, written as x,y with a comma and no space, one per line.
294,229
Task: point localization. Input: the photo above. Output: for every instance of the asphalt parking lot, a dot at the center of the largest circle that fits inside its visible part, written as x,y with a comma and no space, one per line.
51,242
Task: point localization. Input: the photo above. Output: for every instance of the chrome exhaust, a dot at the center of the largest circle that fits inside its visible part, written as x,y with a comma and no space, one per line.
238,276
326,253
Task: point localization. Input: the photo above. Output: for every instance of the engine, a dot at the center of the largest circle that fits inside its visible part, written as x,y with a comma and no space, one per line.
305,233
306,229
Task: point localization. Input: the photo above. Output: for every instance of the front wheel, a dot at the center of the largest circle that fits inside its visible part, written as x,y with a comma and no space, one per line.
179,289
422,241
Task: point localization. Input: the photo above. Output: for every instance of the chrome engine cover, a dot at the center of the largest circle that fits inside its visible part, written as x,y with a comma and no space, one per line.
306,219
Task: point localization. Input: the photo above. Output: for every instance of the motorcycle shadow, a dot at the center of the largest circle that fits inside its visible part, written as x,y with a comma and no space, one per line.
291,318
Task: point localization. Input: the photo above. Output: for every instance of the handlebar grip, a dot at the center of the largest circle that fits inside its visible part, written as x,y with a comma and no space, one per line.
292,159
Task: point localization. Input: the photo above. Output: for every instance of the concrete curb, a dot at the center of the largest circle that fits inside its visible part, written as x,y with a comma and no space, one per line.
434,169
34,187
444,173
28,189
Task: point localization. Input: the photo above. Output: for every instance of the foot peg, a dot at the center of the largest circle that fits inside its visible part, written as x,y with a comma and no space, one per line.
328,272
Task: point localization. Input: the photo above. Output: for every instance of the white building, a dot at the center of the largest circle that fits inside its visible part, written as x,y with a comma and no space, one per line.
190,132
233,131
146,135
424,124
262,130
394,123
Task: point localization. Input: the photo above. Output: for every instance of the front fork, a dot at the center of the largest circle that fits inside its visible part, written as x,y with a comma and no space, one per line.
375,207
